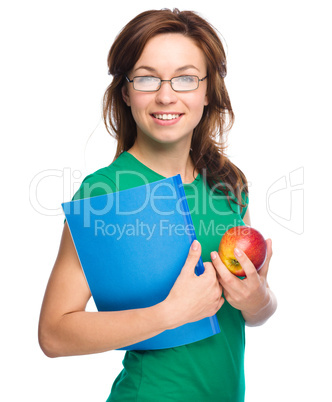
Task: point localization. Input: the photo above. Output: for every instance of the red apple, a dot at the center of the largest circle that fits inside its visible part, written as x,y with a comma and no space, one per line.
247,239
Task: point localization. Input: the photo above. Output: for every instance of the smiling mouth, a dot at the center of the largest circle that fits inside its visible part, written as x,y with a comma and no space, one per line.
167,116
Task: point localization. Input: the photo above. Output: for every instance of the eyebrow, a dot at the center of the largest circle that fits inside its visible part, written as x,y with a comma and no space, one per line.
178,70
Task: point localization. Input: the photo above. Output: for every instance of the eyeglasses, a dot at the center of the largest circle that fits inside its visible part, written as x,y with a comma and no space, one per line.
182,83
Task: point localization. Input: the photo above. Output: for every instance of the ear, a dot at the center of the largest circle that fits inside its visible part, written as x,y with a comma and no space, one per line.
125,95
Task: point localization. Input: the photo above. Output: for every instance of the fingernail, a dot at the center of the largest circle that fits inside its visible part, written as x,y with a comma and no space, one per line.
194,245
237,252
213,255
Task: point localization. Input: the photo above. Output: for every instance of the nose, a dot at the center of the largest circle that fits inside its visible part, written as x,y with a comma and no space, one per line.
166,95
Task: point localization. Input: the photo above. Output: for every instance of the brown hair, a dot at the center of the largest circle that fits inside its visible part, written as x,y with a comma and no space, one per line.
208,142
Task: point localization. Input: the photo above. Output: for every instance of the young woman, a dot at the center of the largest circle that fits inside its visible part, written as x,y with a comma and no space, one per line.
169,110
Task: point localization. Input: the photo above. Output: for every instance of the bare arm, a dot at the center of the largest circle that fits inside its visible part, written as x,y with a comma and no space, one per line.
65,328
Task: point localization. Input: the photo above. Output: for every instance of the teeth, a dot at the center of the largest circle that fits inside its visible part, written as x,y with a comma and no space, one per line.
166,116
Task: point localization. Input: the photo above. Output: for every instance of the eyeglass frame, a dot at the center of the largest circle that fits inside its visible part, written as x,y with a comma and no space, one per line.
170,81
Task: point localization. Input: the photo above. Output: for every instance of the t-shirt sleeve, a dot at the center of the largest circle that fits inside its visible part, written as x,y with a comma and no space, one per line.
245,201
94,185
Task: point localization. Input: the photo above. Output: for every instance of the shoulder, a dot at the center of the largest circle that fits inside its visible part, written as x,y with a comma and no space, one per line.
122,173
102,181
95,184
239,189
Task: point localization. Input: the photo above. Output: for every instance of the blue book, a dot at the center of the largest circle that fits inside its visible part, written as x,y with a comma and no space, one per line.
132,245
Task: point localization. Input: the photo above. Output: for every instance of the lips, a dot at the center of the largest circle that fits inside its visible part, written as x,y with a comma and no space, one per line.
165,119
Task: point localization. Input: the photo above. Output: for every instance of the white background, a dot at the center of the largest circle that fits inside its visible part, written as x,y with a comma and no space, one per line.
53,75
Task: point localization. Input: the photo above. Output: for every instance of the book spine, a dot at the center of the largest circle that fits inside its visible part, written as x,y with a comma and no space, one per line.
199,269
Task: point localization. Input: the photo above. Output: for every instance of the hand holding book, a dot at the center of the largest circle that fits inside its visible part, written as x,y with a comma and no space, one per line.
193,297
133,248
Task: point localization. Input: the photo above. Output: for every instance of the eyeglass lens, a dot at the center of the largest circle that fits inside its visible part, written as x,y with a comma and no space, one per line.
182,83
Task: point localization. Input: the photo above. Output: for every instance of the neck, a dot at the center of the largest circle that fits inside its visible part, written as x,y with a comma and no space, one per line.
166,160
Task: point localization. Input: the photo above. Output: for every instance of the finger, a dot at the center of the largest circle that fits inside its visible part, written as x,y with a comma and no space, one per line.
246,264
209,268
193,257
221,289
264,270
226,277
221,302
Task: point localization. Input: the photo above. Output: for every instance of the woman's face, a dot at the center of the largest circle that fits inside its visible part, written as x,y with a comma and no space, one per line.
166,56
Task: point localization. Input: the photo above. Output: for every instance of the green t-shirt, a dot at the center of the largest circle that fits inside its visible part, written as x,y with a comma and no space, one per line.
206,371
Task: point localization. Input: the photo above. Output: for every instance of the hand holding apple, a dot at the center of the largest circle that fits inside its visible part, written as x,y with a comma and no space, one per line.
247,239
251,295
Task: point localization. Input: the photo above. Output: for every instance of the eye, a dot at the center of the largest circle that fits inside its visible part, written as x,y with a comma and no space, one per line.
146,80
186,79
